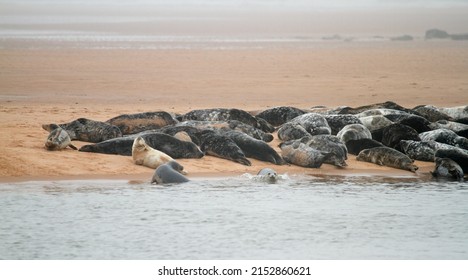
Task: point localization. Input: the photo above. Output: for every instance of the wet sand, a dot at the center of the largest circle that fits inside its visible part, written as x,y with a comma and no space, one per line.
53,86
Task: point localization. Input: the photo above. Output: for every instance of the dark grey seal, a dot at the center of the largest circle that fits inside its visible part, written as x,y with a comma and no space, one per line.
215,144
388,157
356,146
354,132
279,115
169,173
431,113
393,134
328,144
448,169
456,113
58,139
134,123
386,105
446,136
418,123
419,150
458,155
170,145
87,130
223,114
298,153
337,122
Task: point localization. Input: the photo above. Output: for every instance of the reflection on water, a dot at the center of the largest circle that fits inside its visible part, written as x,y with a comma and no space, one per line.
240,218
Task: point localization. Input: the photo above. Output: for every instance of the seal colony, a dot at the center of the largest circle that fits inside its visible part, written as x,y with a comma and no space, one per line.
383,133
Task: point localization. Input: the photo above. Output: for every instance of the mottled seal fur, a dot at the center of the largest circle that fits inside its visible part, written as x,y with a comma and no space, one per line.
279,115
337,122
169,173
87,130
253,148
383,112
58,139
143,154
448,169
456,113
393,134
328,144
418,150
445,136
291,131
374,123
159,141
354,132
192,132
459,128
418,123
304,125
223,114
298,153
386,105
356,146
458,155
388,157
215,144
431,113
267,174
134,123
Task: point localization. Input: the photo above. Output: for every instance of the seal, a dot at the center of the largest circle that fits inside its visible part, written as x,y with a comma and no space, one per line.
386,105
458,155
431,113
169,173
215,144
192,132
388,157
143,154
135,123
253,148
354,132
448,169
383,112
356,146
298,153
446,136
291,131
279,115
419,123
268,175
159,141
456,113
223,114
304,125
459,128
337,122
393,134
58,139
87,130
329,144
374,123
419,150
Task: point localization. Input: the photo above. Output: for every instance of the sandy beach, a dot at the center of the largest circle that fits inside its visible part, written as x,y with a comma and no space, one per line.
54,86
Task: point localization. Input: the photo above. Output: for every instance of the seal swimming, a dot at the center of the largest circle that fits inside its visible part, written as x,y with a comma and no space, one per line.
143,154
447,168
388,157
135,123
431,113
87,130
327,144
169,173
58,139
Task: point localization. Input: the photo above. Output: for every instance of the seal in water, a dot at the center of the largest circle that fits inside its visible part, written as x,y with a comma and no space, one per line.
134,123
383,112
388,157
253,148
169,173
446,136
218,145
460,156
393,134
448,169
314,124
143,154
58,139
338,122
356,146
279,115
87,130
386,105
159,141
354,132
298,153
267,174
223,114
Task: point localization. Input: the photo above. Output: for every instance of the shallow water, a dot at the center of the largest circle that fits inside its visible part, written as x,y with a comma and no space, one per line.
235,218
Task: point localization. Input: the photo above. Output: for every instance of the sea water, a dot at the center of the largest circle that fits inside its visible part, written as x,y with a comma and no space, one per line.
299,217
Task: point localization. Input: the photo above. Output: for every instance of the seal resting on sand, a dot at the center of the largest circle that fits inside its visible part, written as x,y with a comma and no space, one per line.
58,139
447,168
279,115
388,157
87,130
446,136
218,145
143,154
169,173
328,144
298,153
134,123
354,132
356,146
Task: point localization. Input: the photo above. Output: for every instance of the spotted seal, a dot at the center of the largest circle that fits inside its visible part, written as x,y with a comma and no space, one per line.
298,153
393,134
58,139
431,113
279,115
134,123
456,113
448,169
446,136
356,146
169,173
223,114
159,141
143,154
459,128
267,174
385,105
87,130
419,150
354,132
337,122
388,157
328,144
460,156
215,144
374,123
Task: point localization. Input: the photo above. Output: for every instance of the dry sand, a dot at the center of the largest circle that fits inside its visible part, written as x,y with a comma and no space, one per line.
54,86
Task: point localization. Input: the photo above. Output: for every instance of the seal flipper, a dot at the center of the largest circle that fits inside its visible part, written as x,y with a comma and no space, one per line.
73,147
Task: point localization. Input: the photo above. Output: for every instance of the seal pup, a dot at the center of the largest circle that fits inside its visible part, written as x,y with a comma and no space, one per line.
169,173
143,154
279,115
218,145
448,169
431,113
446,136
314,124
87,130
253,148
354,132
58,139
388,157
458,155
393,134
159,141
134,123
298,153
223,114
374,123
356,146
337,122
268,175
